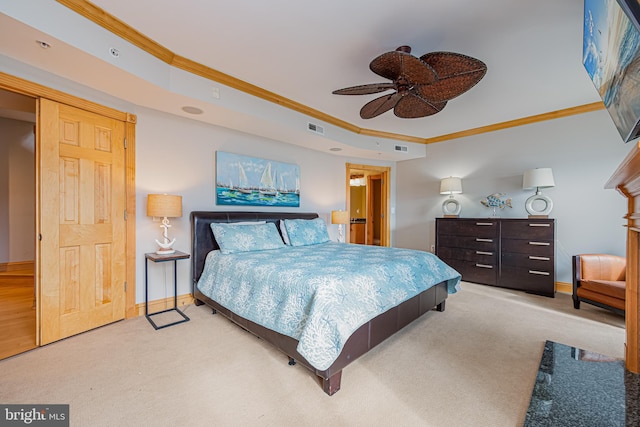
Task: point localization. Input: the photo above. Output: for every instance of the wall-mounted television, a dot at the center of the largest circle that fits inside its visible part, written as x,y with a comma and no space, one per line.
632,9
611,56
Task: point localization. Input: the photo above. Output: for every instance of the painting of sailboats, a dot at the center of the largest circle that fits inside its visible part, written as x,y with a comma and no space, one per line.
251,181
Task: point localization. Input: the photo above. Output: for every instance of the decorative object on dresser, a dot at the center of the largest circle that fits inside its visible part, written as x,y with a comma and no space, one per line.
340,218
506,252
538,178
164,206
452,185
494,201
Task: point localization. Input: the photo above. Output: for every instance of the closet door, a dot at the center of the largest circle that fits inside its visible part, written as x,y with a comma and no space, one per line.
82,225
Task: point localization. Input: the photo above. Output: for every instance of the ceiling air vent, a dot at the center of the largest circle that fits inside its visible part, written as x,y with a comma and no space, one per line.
402,148
315,128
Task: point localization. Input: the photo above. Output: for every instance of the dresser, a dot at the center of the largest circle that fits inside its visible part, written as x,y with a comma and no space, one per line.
506,252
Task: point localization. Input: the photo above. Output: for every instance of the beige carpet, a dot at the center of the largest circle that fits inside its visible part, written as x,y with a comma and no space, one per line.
472,365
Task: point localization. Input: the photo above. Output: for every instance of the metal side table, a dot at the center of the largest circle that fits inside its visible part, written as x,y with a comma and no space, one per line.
152,256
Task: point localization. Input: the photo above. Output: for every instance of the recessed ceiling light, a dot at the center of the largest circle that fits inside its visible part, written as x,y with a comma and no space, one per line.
191,110
43,44
335,149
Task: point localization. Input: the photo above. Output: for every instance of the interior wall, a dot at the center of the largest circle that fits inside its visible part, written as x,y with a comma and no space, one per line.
4,190
358,201
17,191
177,156
583,151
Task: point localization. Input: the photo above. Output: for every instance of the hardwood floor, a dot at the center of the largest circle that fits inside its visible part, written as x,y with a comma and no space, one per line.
17,313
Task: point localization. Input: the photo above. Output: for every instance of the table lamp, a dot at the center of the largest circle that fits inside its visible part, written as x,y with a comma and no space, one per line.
451,186
538,178
340,218
164,206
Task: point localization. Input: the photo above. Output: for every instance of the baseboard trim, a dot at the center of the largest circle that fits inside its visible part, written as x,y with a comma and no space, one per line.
163,304
565,288
17,266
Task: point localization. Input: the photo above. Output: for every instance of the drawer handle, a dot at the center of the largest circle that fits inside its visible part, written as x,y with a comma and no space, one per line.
484,223
484,240
540,243
539,225
541,273
484,266
539,258
483,253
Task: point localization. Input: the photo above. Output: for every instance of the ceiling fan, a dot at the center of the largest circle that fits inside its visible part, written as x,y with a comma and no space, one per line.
422,85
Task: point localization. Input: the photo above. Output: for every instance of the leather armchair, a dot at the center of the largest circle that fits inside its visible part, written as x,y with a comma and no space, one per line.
600,279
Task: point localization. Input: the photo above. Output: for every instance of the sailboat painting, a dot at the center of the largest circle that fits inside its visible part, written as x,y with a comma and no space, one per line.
251,181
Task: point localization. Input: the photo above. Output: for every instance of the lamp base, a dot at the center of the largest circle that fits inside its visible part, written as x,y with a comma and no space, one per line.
165,251
533,203
451,207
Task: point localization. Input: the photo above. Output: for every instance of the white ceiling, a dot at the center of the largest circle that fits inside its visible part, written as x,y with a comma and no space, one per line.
303,50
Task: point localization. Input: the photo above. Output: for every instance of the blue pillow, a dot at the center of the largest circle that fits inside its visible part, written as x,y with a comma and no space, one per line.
234,238
303,232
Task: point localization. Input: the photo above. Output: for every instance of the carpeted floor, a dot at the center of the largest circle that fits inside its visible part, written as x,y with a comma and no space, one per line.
473,365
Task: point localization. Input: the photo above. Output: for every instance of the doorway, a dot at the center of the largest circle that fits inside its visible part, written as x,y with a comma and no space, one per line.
17,224
368,194
64,125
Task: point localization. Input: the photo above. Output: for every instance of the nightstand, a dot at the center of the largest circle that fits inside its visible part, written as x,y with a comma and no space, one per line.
156,258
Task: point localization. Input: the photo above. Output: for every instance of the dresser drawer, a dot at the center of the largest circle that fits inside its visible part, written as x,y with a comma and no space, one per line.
538,247
469,227
466,242
534,281
484,257
476,272
532,229
528,261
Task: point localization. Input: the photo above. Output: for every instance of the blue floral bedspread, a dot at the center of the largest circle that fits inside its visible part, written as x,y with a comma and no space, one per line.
320,294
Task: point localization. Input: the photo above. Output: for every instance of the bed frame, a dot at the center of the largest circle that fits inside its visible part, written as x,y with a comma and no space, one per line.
363,339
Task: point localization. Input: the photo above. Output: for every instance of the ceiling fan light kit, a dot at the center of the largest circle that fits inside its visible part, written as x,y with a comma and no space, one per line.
422,85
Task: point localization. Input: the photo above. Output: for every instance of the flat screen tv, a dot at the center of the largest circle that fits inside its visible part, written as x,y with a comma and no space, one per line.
611,56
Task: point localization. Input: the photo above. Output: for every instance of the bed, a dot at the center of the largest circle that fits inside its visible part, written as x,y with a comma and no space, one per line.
373,318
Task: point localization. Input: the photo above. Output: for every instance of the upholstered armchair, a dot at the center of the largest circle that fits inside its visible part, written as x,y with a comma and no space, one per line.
599,279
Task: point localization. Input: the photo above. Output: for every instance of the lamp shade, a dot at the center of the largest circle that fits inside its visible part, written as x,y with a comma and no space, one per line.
538,178
339,217
164,205
451,185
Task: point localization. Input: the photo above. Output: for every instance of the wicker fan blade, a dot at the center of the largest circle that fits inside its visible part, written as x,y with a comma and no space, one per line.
457,74
398,65
379,105
364,89
411,106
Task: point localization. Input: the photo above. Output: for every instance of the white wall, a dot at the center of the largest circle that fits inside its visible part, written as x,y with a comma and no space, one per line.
177,156
583,151
17,191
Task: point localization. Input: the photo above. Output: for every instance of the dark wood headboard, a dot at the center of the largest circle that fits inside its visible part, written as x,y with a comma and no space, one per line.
202,241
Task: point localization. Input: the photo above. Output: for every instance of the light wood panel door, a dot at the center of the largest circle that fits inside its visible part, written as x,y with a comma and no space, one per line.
82,224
